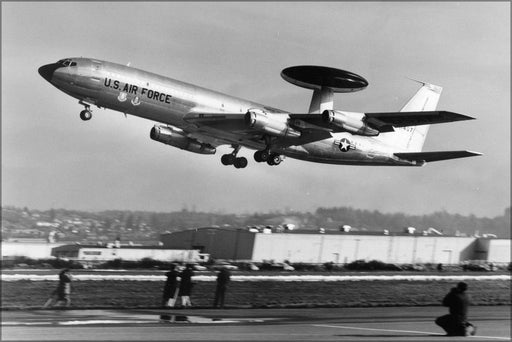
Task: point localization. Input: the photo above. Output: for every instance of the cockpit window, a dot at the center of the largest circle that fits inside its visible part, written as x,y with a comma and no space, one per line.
66,62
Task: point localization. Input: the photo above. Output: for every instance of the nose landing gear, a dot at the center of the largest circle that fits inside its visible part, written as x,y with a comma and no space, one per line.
85,114
231,159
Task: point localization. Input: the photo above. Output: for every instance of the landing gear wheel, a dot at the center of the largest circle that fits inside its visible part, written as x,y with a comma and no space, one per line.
231,159
85,115
257,156
228,159
274,159
240,163
261,156
265,155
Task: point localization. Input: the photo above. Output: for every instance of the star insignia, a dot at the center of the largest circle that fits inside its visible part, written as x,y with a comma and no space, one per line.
344,145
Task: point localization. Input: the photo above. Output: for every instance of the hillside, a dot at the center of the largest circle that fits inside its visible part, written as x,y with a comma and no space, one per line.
70,225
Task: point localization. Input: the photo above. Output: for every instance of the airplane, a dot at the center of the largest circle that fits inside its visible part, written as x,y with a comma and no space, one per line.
199,120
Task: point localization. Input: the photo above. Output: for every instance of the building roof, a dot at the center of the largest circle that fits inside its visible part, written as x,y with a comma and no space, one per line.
314,232
229,229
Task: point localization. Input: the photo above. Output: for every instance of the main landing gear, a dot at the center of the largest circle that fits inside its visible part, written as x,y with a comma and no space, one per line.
265,156
85,114
268,157
231,159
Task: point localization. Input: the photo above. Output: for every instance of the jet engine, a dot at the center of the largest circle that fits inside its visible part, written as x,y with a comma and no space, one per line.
351,122
268,123
172,136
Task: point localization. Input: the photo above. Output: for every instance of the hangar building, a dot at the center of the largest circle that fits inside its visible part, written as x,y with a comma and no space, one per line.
338,247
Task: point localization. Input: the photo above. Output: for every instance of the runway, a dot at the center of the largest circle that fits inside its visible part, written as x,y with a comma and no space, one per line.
315,324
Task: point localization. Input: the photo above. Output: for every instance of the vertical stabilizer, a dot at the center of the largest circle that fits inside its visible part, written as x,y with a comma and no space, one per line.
411,138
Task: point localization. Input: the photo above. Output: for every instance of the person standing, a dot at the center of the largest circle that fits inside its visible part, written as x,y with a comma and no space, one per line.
186,286
170,287
223,279
455,323
63,291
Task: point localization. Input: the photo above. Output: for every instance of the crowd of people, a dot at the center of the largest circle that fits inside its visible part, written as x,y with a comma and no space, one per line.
180,285
177,285
175,288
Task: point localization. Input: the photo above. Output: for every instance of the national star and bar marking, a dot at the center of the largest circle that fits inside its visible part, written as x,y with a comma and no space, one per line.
345,145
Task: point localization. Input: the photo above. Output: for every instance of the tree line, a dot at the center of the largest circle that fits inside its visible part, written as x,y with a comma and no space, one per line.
328,218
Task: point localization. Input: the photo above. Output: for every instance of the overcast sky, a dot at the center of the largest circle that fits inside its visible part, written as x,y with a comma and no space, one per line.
50,158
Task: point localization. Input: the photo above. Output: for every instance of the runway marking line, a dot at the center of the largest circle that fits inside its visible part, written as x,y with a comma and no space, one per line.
402,331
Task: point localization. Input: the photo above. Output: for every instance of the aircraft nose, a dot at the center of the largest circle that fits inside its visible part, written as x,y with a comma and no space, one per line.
46,71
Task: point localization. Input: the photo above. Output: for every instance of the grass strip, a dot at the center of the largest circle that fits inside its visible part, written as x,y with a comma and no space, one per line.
26,294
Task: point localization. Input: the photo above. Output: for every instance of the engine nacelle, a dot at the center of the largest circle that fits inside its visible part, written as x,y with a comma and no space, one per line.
174,137
351,122
268,123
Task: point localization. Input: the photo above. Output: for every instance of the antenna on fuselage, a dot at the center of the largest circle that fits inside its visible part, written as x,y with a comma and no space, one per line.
415,80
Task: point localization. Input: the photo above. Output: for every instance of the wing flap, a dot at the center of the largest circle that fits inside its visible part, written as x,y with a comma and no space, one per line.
436,156
209,118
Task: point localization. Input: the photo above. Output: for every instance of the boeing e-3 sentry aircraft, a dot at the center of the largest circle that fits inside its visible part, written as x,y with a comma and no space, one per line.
199,120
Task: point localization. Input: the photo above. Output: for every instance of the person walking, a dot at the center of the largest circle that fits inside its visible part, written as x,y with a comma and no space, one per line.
455,323
63,291
170,288
186,286
223,279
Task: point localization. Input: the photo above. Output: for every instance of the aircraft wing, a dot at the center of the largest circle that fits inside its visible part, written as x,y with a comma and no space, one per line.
235,126
313,127
225,127
385,121
403,119
435,156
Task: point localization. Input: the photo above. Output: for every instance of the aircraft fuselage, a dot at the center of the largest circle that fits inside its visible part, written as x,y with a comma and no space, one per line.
165,100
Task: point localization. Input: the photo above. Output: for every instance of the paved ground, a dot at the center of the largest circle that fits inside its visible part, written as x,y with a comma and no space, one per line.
319,324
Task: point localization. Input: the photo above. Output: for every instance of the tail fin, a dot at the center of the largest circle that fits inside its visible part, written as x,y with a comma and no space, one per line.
411,139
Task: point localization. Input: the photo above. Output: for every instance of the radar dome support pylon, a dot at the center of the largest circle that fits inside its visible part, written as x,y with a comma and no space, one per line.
321,100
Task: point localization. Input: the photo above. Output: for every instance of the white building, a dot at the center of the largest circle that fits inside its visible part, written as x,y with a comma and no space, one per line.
130,253
338,247
34,250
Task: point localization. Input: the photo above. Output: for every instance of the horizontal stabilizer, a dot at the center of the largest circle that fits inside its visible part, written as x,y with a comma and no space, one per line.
436,156
403,119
